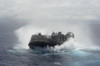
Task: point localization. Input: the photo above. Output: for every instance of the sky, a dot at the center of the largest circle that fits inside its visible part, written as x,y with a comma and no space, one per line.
26,17
61,10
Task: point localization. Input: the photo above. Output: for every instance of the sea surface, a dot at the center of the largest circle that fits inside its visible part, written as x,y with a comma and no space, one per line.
27,57
14,56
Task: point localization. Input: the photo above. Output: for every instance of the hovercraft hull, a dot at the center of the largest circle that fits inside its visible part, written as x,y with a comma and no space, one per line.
42,44
49,41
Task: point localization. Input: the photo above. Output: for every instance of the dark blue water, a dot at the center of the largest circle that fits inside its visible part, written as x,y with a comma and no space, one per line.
25,57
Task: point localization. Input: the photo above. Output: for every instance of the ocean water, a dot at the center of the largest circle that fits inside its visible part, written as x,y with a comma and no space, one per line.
15,56
27,57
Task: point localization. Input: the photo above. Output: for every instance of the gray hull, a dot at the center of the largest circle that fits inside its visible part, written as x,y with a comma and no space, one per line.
49,41
42,44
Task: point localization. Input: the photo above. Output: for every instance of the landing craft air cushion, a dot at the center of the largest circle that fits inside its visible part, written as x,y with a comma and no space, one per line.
49,41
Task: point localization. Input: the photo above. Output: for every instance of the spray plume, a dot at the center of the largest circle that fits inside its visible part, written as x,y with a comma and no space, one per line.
81,31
